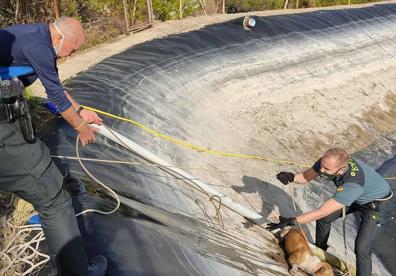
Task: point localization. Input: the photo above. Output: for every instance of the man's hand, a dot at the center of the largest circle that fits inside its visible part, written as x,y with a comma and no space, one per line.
91,117
283,222
87,134
285,177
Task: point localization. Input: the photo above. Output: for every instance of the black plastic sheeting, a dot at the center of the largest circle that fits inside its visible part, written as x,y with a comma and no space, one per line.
160,230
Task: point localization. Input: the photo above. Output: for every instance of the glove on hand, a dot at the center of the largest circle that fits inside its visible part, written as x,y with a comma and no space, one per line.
283,222
285,177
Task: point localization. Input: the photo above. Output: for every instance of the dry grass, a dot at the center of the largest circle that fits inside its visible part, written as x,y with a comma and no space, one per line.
10,219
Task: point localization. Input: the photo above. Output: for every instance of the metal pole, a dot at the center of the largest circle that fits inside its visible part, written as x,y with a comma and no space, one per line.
181,9
223,6
126,15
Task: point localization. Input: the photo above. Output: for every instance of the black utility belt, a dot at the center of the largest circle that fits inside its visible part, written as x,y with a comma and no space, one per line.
374,204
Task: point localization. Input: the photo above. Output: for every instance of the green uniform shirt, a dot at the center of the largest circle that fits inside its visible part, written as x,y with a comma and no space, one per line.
360,184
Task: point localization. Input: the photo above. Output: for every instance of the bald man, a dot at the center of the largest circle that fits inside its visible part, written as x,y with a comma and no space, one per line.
26,168
359,188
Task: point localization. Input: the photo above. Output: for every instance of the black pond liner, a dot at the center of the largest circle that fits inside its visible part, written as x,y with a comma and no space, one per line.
160,231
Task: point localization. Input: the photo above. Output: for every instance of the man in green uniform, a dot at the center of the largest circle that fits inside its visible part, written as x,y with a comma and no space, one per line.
359,188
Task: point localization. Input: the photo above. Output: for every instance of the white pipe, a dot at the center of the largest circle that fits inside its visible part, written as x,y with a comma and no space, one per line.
226,201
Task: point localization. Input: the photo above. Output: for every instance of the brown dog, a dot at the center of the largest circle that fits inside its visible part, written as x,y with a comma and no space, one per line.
301,256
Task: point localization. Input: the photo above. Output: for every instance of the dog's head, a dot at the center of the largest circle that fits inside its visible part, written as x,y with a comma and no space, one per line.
324,269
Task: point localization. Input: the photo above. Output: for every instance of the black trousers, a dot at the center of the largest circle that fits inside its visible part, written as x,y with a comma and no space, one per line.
370,226
27,171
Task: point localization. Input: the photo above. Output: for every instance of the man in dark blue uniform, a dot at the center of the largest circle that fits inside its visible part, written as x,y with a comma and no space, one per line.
359,188
26,169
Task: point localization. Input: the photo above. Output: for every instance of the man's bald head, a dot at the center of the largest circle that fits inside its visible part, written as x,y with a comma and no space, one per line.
73,35
339,156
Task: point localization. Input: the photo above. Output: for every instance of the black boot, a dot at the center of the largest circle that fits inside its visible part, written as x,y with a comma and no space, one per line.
98,266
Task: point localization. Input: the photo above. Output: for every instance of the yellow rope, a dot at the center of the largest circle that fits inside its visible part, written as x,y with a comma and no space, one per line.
200,148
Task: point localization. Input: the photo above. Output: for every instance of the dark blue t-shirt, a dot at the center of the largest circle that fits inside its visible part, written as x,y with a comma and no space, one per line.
30,45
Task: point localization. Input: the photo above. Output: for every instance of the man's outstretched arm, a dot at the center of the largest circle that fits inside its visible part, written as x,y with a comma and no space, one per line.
300,178
330,206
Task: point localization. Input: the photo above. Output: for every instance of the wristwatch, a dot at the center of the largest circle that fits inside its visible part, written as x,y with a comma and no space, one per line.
79,110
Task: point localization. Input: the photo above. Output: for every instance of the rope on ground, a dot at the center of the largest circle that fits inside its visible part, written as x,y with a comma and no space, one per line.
217,208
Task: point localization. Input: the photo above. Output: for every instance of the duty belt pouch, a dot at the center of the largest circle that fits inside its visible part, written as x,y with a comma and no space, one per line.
4,118
373,205
15,107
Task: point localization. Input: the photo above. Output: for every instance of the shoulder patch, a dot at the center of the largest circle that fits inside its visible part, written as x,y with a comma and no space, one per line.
354,167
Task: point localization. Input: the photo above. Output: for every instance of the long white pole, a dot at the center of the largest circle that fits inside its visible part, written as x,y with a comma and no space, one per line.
219,197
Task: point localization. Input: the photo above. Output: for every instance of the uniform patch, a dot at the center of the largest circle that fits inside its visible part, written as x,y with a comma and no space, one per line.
340,189
354,167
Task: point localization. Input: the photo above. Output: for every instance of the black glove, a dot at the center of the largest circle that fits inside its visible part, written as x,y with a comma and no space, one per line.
285,177
283,222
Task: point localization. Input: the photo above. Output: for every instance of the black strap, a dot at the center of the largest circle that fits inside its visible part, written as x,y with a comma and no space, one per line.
3,114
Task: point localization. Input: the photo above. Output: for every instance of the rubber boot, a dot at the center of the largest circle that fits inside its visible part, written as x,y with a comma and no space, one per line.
98,266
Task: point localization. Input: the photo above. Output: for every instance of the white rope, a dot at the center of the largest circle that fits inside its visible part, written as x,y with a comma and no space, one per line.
112,193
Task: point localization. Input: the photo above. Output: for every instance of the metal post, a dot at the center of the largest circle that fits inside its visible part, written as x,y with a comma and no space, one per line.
126,15
223,6
181,9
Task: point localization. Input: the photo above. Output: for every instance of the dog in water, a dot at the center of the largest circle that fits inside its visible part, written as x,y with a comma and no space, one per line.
301,256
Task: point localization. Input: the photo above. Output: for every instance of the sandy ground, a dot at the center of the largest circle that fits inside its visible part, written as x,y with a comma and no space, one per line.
361,114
